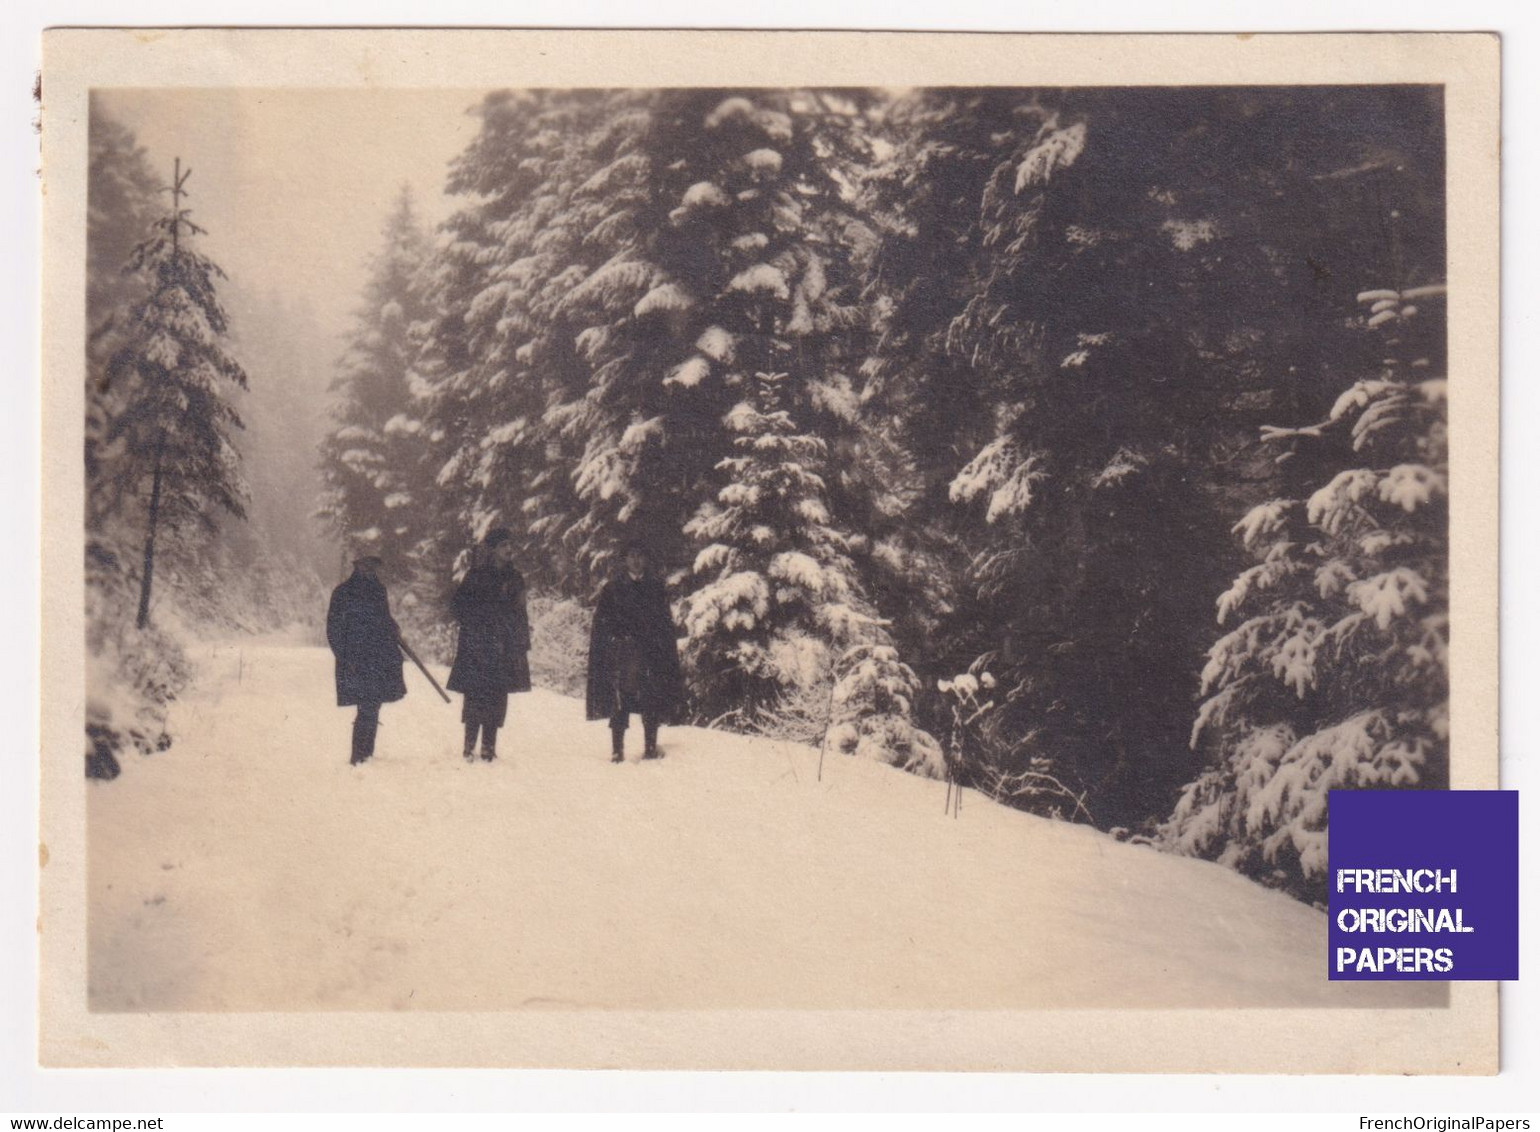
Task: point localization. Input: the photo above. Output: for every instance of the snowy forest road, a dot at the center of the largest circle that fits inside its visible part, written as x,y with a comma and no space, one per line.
251,868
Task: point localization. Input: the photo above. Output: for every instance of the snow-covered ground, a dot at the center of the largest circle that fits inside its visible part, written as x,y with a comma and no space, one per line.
251,868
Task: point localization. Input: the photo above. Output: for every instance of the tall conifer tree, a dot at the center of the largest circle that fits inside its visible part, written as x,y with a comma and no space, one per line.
175,422
371,460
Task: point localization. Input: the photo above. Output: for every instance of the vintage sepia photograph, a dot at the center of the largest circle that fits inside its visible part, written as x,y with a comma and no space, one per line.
781,555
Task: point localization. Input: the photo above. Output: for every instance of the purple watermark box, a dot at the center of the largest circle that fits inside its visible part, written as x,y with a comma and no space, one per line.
1423,884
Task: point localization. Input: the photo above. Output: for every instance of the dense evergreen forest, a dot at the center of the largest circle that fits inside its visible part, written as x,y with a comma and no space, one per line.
1083,446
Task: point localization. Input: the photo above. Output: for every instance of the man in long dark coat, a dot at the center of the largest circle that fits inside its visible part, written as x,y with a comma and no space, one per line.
633,658
364,638
492,653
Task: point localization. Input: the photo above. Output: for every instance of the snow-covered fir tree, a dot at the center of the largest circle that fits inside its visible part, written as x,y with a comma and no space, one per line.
533,273
773,595
1334,673
373,500
759,283
724,262
778,616
132,674
173,422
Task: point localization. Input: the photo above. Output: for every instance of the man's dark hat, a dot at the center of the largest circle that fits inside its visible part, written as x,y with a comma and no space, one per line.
497,536
362,559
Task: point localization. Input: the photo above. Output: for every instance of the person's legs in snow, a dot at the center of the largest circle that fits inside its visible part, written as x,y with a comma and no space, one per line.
364,726
618,723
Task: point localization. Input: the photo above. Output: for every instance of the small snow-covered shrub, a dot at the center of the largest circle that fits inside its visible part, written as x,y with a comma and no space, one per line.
984,752
800,714
872,713
132,675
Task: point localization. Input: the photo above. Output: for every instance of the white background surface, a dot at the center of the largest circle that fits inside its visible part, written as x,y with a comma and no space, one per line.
24,1089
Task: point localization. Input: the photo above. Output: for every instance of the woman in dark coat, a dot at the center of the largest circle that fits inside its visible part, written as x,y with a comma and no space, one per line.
363,637
492,656
633,658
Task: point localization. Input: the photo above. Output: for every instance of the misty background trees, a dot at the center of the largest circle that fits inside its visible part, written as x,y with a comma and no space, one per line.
1085,445
199,488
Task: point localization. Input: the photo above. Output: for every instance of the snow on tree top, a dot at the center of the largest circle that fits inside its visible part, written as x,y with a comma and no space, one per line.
763,160
620,276
358,458
1332,506
1386,596
638,433
736,601
967,684
716,343
1058,151
775,125
837,396
689,373
813,511
761,277
804,571
798,659
1359,395
1122,465
1263,519
664,299
630,167
451,468
1410,486
1294,662
742,417
492,297
503,434
1002,471
401,424
711,558
590,341
163,350
729,109
704,194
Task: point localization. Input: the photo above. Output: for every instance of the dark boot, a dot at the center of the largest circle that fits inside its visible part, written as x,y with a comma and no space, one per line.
470,742
617,744
363,738
650,733
488,744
